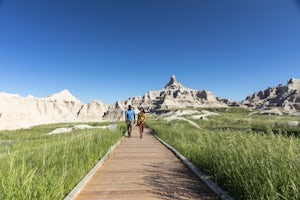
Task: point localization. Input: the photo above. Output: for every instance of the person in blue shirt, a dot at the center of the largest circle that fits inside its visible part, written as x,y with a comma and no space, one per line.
129,119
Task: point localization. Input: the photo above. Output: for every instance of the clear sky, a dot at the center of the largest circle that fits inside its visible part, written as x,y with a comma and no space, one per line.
111,50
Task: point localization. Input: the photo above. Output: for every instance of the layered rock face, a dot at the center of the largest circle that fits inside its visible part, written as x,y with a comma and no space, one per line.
92,112
22,112
173,95
287,97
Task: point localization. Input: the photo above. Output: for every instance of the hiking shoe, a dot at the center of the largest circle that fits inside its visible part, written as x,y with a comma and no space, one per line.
141,136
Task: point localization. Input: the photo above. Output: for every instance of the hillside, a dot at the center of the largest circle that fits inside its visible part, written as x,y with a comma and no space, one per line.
22,112
286,98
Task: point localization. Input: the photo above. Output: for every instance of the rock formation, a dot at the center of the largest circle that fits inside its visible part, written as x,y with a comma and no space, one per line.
173,95
22,112
92,111
286,97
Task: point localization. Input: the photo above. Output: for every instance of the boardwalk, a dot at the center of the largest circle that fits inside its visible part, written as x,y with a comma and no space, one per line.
144,169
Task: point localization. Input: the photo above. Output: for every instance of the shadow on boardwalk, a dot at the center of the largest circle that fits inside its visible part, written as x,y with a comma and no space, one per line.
143,168
170,181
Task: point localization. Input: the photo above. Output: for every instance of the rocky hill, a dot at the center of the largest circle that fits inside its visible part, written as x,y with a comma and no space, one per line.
173,95
22,112
285,97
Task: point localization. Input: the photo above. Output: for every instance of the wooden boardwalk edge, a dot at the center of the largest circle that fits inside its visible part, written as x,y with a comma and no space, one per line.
88,176
205,179
212,185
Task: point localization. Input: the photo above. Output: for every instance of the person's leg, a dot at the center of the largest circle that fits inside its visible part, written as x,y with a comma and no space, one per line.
130,129
128,126
141,130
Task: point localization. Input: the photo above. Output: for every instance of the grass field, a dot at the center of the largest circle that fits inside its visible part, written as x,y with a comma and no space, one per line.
35,165
250,156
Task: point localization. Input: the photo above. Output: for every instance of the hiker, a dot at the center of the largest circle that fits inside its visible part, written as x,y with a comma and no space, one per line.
141,121
129,119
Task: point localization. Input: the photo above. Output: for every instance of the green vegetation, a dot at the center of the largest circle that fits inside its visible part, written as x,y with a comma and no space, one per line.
242,153
35,165
250,156
241,119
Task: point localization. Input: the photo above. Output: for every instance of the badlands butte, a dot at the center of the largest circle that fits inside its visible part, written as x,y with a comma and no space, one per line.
23,112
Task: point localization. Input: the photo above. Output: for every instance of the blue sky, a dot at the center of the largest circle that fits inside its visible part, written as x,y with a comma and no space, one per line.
111,50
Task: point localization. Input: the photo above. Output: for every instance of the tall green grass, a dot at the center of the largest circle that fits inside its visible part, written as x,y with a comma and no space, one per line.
241,119
35,165
247,164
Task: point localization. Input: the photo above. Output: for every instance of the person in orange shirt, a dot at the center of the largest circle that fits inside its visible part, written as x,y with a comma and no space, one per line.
141,121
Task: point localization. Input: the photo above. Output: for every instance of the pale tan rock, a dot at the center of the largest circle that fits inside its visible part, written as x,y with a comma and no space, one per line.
23,112
173,95
91,112
286,97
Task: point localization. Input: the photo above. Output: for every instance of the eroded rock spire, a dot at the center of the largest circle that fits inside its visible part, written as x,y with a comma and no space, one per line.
173,84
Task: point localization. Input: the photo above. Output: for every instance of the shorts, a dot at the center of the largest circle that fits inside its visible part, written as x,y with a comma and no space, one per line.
129,123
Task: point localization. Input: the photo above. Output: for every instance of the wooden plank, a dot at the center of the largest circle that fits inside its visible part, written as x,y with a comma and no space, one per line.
142,168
